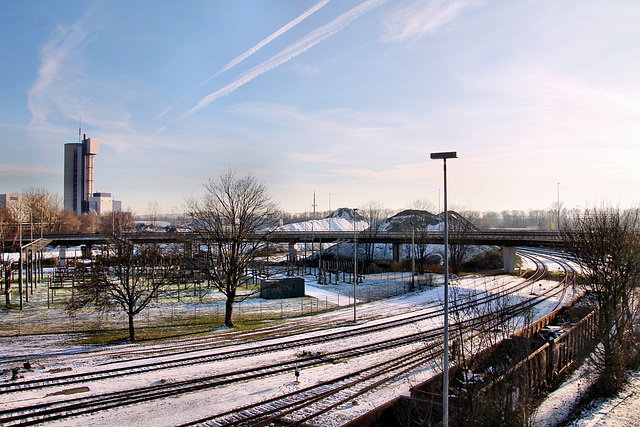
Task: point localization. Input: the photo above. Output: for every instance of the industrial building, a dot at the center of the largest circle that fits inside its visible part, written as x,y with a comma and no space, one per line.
78,174
10,201
103,202
78,179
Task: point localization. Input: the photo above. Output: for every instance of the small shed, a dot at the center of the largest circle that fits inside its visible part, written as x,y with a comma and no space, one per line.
290,287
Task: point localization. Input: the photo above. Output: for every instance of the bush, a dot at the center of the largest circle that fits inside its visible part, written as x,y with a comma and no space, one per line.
491,260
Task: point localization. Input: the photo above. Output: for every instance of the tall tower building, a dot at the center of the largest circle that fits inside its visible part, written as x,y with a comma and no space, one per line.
78,174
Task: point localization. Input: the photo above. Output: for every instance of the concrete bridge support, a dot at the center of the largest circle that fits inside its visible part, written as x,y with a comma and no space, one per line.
62,256
87,251
293,252
397,252
509,257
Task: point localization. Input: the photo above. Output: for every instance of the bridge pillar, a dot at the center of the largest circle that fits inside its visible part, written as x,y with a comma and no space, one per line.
62,256
397,252
86,251
509,257
293,252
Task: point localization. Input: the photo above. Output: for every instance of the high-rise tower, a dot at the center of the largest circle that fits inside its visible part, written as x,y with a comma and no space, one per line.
78,174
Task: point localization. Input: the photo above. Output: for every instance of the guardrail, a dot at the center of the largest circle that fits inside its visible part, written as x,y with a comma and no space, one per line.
501,238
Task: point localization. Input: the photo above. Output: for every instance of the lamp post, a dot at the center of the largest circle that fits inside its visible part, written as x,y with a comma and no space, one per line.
355,262
445,374
413,256
20,276
558,207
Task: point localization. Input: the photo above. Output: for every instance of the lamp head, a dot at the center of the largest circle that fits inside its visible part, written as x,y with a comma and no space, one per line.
444,155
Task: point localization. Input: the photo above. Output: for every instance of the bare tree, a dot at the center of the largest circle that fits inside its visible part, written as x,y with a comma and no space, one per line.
67,222
116,222
374,212
460,229
153,213
89,222
421,224
422,205
229,221
5,224
42,208
606,246
129,280
485,354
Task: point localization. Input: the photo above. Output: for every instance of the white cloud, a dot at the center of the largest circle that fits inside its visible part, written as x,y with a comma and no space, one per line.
542,107
237,60
280,31
300,46
20,170
61,49
419,18
64,90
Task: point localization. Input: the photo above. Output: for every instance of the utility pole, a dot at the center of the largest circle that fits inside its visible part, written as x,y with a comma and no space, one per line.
355,262
445,373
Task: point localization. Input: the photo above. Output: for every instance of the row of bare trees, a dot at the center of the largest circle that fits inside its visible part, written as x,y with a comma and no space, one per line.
605,243
224,221
126,278
41,212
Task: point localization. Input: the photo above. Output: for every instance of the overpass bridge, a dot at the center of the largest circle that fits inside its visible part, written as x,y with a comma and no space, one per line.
508,239
499,238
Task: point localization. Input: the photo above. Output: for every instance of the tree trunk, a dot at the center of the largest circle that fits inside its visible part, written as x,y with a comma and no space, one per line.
132,332
7,285
228,313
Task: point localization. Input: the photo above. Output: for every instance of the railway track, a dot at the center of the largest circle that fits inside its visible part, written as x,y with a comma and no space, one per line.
312,402
226,352
46,412
56,410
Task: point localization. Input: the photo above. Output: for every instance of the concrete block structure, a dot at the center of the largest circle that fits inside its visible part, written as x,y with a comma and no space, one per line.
292,287
103,202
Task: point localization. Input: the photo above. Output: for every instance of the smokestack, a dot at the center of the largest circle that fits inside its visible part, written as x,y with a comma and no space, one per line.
90,148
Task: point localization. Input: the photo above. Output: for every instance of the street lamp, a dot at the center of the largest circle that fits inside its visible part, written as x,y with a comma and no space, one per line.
355,262
558,227
413,256
445,374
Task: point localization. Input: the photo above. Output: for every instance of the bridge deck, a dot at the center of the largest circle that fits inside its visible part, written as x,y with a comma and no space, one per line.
499,238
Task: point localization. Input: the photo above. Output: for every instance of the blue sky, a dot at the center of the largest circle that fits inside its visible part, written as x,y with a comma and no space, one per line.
346,98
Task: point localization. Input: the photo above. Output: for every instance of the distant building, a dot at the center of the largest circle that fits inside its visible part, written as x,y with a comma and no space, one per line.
9,201
78,174
103,202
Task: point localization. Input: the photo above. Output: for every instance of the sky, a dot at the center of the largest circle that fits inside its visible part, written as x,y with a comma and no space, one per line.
342,98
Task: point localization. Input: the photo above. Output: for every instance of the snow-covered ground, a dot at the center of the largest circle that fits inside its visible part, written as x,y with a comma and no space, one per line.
56,353
63,352
620,411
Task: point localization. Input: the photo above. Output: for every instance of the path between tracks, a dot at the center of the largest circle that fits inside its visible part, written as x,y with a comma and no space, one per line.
325,294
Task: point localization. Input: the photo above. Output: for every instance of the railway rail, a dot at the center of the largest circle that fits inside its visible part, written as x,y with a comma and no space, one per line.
72,407
187,358
314,401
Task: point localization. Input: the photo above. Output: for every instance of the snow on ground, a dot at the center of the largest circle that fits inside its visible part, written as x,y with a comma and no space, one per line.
198,405
326,224
560,402
623,410
62,351
620,411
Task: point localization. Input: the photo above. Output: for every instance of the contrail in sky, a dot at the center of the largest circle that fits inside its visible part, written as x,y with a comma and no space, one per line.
290,52
253,50
282,30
